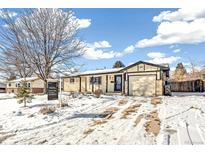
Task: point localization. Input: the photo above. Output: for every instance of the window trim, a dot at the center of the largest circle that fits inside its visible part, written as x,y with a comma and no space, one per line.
96,80
72,80
29,85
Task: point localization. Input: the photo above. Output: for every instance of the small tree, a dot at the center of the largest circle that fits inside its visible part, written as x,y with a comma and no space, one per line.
118,64
23,93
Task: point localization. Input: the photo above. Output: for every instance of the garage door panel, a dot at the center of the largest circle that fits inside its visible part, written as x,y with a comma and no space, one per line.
142,85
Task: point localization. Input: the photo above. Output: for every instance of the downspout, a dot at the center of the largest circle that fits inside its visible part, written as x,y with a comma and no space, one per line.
80,85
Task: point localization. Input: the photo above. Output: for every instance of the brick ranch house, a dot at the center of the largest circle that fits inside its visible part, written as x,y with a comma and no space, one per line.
138,79
35,84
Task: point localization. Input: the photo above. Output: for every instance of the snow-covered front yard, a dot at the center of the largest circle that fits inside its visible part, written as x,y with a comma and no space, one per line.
178,119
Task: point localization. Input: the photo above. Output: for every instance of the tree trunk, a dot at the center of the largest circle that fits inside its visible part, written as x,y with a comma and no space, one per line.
45,87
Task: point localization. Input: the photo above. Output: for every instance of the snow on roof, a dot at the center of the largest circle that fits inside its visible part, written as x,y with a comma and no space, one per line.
22,79
97,71
113,70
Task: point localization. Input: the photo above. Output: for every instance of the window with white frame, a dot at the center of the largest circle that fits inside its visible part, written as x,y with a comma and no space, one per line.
96,80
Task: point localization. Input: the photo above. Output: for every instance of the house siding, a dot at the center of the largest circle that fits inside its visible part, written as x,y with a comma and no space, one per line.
36,86
107,85
72,87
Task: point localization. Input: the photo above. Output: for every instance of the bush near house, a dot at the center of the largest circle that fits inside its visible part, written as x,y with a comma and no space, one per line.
98,93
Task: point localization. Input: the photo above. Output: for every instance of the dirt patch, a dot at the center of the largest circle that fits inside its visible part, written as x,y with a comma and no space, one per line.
98,122
109,112
4,137
129,110
122,102
156,100
138,119
153,125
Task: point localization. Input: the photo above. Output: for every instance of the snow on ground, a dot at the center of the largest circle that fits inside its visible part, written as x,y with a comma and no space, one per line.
182,120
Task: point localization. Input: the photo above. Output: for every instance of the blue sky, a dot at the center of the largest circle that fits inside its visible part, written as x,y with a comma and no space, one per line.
125,27
154,35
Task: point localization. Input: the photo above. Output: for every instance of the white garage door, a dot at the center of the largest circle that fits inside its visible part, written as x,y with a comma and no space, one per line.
142,85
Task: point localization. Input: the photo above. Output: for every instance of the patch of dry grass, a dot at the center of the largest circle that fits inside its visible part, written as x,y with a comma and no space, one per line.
138,119
122,102
153,125
87,132
109,112
98,122
63,105
155,101
130,109
47,110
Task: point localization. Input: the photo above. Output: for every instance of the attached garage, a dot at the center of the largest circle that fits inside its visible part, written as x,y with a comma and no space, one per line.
142,85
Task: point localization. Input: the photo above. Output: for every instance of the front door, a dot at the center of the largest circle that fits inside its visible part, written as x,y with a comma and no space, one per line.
118,82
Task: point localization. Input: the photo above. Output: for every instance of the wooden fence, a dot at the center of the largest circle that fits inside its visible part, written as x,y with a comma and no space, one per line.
187,86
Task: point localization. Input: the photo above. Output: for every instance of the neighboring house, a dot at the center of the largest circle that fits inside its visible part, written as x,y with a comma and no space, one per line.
35,84
2,87
138,79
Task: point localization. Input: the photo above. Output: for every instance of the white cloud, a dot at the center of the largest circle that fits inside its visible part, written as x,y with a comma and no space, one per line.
176,50
129,49
184,14
172,46
183,26
11,14
155,54
92,53
84,23
160,58
97,51
102,44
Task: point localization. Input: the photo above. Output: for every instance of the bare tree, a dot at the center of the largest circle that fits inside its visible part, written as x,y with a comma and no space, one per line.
11,65
194,72
41,40
12,60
